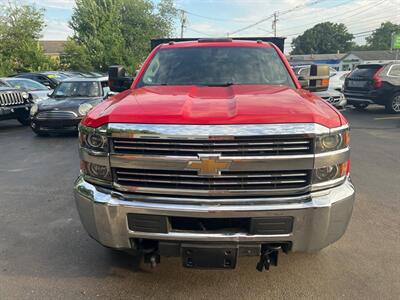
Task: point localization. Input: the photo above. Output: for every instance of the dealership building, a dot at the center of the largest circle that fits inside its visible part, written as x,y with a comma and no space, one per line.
345,61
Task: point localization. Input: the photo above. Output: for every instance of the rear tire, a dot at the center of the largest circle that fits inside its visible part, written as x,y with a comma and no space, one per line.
393,105
360,106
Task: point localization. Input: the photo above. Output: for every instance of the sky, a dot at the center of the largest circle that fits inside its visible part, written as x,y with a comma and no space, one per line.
217,18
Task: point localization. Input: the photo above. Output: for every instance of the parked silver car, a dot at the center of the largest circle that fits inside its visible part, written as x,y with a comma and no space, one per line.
38,91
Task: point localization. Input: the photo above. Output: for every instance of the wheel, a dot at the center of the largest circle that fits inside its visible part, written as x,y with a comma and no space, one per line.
360,106
38,132
393,106
23,117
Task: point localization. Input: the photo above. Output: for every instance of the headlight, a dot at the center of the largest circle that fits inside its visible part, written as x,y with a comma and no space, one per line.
25,95
96,141
96,171
93,139
334,141
84,108
330,172
34,109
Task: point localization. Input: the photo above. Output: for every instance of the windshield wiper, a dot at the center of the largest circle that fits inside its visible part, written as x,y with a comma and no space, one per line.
218,84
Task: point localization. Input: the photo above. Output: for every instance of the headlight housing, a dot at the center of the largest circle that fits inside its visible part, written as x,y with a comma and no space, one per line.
84,108
34,110
96,171
330,173
25,95
331,142
94,139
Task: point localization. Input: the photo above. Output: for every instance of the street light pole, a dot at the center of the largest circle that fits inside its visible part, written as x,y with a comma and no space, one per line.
274,23
183,22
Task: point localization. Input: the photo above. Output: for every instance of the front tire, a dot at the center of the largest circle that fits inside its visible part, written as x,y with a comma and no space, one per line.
360,106
393,106
23,117
39,132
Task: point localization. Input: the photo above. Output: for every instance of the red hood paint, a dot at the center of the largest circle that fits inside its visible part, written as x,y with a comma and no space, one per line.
241,104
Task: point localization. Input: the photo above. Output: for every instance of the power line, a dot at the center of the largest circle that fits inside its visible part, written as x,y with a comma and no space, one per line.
274,16
211,18
340,15
199,32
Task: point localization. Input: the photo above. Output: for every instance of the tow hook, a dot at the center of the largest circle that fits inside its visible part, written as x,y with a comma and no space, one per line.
268,257
152,258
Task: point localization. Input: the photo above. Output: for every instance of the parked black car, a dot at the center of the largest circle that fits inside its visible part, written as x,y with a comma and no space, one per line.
68,104
374,83
50,79
14,104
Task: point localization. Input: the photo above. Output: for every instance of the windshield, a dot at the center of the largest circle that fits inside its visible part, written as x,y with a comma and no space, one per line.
78,89
26,84
216,66
366,71
57,76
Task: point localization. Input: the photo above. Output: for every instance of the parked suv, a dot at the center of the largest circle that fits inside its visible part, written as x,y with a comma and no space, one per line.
14,104
213,153
374,83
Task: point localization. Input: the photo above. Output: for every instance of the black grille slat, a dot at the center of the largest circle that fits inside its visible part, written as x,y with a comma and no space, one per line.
245,146
228,180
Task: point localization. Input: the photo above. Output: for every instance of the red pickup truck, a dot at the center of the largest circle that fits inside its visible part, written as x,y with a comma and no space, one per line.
215,152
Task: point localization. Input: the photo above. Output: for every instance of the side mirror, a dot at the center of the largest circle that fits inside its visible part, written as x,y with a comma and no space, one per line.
318,80
303,82
117,79
110,94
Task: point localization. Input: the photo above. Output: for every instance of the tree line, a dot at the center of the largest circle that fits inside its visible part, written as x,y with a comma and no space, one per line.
331,37
108,32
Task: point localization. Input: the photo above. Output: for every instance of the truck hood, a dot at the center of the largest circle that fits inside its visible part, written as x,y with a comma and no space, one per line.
240,104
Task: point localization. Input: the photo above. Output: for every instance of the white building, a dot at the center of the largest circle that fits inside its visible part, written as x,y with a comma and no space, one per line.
354,58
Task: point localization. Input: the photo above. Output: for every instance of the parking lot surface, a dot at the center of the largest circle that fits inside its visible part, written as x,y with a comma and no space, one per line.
45,253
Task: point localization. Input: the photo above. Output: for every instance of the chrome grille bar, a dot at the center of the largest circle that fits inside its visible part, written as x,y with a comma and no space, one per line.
10,99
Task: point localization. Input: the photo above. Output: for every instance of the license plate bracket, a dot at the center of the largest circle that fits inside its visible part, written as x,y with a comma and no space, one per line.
209,256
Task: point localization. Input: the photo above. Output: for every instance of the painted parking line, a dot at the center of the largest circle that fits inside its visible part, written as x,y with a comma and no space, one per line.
387,118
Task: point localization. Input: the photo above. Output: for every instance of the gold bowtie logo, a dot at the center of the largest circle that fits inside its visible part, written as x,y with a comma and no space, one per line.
209,165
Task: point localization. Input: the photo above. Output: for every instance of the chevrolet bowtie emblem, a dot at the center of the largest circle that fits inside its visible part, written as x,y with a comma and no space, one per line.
209,165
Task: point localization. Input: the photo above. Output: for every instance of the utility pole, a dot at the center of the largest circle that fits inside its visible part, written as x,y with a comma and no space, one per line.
183,22
274,23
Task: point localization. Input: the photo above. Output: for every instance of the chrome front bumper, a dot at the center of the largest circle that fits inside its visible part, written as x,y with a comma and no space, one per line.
317,223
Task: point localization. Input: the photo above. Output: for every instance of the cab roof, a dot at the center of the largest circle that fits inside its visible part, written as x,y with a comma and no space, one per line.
219,42
86,79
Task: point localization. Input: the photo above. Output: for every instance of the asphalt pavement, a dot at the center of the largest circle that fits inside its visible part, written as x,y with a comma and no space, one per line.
46,254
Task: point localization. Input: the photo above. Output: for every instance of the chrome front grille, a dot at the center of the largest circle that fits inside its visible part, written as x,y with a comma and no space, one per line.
56,114
234,146
228,180
212,162
11,99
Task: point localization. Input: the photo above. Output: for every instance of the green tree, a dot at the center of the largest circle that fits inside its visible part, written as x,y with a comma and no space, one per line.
324,37
381,38
108,32
20,29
